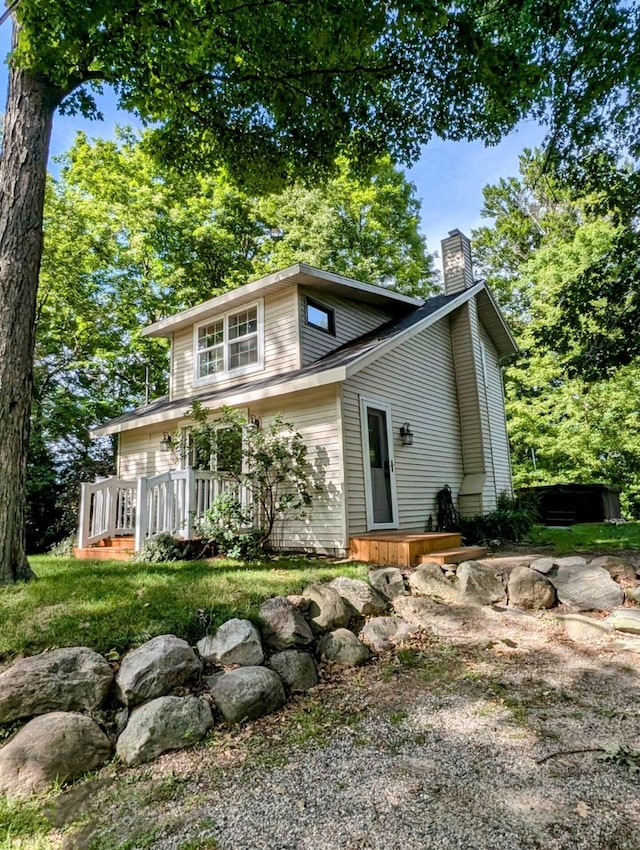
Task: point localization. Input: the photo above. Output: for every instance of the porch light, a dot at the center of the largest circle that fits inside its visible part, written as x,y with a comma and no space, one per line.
406,434
166,443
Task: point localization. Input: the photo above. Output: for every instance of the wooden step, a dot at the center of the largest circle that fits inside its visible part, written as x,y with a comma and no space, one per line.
400,548
125,542
454,556
103,553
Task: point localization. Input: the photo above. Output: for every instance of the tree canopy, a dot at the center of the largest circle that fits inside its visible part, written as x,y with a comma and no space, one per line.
567,421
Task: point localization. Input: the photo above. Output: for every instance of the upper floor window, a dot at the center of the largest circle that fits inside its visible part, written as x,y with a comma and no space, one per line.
230,343
319,316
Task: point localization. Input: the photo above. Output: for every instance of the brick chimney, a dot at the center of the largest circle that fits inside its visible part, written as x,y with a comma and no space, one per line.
456,262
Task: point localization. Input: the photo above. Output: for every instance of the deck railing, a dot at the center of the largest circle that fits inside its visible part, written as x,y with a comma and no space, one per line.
107,509
172,502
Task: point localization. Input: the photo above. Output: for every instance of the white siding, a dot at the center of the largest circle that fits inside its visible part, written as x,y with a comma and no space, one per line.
417,380
353,318
499,473
139,452
281,349
315,414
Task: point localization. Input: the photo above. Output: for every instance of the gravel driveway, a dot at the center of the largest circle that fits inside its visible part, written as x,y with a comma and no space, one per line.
439,748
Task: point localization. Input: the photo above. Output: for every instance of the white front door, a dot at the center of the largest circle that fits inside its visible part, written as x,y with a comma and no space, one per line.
379,472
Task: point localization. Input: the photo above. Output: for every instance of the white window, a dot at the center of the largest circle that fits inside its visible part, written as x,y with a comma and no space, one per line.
229,344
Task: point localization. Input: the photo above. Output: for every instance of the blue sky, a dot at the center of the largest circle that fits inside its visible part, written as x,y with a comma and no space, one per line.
449,176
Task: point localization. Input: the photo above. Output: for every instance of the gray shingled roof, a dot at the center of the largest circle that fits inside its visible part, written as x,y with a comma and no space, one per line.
342,356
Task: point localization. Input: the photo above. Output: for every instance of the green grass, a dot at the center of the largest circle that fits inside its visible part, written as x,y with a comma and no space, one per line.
113,605
587,537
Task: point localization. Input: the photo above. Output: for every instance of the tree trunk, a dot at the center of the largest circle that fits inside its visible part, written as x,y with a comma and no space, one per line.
23,170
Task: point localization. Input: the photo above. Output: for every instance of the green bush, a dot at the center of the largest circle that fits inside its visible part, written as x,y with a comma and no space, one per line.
227,526
512,520
160,549
64,548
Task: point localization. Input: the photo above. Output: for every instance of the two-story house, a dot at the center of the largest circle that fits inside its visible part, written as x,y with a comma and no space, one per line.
394,397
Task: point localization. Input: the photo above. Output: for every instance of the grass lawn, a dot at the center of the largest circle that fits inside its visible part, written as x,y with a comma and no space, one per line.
587,537
113,605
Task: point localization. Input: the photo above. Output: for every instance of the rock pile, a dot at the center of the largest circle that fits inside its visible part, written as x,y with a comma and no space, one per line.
78,708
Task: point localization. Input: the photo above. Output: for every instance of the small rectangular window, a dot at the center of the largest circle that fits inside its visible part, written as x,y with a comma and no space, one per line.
319,316
229,344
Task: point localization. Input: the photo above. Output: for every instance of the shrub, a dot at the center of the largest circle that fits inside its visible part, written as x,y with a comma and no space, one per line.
227,525
513,519
159,549
64,548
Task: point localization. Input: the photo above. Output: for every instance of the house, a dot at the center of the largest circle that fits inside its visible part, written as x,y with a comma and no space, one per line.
395,397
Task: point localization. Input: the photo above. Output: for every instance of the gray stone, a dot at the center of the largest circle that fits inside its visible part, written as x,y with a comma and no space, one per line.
625,620
479,583
429,580
618,568
343,647
56,747
299,601
283,625
530,589
578,627
582,587
633,594
248,693
71,679
388,581
571,561
163,724
384,633
327,609
418,611
156,668
542,565
296,669
363,598
235,642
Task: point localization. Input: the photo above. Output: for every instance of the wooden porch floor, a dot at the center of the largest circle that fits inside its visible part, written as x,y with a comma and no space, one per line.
410,548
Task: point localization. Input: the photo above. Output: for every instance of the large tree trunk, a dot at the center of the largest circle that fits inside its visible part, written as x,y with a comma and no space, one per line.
23,170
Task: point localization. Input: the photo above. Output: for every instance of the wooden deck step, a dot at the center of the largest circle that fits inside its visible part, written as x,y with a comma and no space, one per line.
126,542
103,553
400,548
454,556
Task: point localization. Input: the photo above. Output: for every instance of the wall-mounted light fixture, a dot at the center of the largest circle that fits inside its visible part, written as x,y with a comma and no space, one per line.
406,434
166,443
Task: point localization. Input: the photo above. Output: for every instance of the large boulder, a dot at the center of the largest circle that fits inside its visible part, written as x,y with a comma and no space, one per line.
618,568
156,668
283,624
343,647
625,620
163,724
56,747
418,611
235,642
530,589
383,633
583,587
296,669
429,580
247,693
327,610
71,679
364,600
584,629
479,584
542,565
633,594
388,581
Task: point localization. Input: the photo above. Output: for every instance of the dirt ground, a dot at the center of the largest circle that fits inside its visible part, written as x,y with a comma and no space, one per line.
495,729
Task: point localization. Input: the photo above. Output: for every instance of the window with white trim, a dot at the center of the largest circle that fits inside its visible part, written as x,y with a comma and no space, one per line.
229,344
